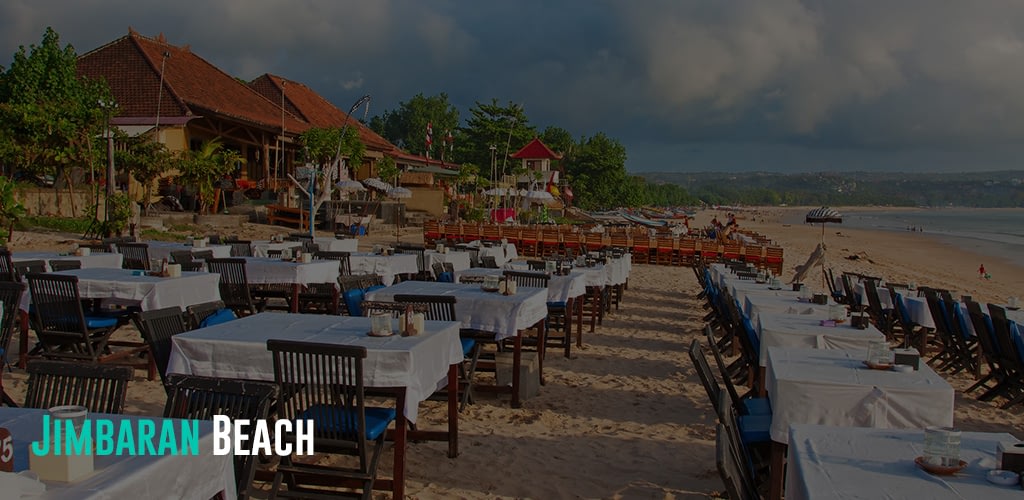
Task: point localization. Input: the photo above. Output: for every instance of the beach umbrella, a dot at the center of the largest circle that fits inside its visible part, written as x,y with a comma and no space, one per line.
542,197
823,215
813,260
350,186
379,185
496,192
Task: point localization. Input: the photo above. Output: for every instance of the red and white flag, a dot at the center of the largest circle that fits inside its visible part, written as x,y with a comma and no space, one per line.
430,137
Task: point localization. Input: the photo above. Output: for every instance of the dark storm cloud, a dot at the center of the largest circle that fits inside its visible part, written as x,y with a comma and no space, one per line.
844,83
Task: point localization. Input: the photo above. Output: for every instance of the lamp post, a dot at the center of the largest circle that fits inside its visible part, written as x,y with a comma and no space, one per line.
494,166
108,107
160,94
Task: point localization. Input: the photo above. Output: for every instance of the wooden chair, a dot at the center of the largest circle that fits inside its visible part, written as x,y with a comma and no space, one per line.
528,278
773,259
7,271
344,260
746,404
431,232
642,245
10,297
320,298
25,267
99,388
181,256
63,329
488,261
439,307
989,352
197,313
135,255
324,382
687,251
157,328
752,254
738,483
1009,356
65,265
200,398
241,248
234,285
666,251
732,250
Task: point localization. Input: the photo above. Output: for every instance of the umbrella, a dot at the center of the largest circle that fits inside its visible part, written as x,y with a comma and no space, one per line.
350,186
377,184
539,196
496,192
823,216
399,192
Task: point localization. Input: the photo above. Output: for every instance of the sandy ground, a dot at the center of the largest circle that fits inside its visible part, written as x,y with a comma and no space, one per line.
627,416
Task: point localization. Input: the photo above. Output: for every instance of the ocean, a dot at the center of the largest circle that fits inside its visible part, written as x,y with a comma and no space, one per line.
994,232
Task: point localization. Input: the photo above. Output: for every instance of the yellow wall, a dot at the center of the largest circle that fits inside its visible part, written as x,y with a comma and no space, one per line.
426,199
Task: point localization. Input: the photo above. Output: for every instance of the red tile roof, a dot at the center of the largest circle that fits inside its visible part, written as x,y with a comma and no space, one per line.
536,150
304,102
132,64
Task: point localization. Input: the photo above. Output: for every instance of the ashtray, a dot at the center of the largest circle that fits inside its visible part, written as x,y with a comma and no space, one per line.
375,334
939,470
1003,477
489,289
878,366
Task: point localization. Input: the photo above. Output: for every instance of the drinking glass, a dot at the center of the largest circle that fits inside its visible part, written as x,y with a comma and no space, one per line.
942,446
380,323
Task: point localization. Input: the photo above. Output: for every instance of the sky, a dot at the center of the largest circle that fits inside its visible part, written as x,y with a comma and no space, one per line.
684,85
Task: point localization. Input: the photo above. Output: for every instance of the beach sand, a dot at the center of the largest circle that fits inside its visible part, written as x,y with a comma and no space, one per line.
627,417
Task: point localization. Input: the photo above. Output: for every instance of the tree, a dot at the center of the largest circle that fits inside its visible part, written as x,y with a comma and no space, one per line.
327,150
50,118
558,140
406,126
144,159
204,167
597,173
504,127
10,208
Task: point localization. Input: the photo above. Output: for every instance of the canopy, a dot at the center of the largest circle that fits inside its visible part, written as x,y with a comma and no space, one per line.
823,215
435,170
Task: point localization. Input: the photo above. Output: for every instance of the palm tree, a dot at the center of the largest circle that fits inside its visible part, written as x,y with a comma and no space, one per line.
202,168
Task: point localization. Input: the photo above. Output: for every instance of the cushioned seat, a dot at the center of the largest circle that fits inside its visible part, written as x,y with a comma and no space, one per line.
337,418
446,277
559,303
221,316
755,428
756,406
353,300
467,346
93,322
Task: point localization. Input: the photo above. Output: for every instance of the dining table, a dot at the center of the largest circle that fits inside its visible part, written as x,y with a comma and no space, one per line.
106,260
128,476
296,274
410,367
386,266
261,248
330,244
459,260
160,250
828,462
836,387
497,315
804,328
503,253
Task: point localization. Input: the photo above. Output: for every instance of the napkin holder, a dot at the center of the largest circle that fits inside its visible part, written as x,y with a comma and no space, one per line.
173,270
63,468
83,251
1010,455
819,298
859,322
909,357
797,287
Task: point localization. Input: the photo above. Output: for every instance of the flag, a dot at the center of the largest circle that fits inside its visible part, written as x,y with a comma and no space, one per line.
451,141
430,138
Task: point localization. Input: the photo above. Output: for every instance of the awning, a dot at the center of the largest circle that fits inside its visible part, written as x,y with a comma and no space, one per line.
434,170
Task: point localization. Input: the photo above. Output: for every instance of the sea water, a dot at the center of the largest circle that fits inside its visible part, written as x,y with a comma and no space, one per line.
995,232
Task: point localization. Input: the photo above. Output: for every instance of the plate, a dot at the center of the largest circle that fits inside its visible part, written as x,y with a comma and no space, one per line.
1003,477
878,366
371,334
939,470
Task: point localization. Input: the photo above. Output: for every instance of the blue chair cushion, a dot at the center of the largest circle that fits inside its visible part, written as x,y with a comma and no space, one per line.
446,277
221,316
353,301
557,304
93,322
755,428
336,418
756,406
467,346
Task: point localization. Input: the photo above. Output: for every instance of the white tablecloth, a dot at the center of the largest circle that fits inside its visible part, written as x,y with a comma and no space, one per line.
125,476
833,387
336,245
503,315
260,247
387,266
502,253
260,270
163,249
619,269
778,301
560,288
93,260
851,462
149,292
805,330
238,349
458,260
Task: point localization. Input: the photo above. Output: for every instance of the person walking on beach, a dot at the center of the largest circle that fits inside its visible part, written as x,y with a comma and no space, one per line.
981,271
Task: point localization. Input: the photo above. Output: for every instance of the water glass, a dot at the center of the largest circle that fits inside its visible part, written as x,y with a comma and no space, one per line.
380,324
76,414
942,446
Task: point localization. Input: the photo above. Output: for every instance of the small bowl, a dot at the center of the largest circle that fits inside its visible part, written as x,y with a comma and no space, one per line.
1003,477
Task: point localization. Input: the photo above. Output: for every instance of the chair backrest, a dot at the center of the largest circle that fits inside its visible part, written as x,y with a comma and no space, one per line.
309,247
202,255
23,267
241,248
1009,357
234,285
200,398
274,253
65,265
59,319
730,470
395,309
875,306
529,279
181,256
99,388
438,269
344,260
135,255
488,261
440,307
10,297
707,378
157,327
740,453
7,272
985,335
197,313
536,265
299,237
323,382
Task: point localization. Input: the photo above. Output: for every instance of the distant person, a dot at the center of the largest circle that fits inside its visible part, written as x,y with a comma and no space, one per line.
981,271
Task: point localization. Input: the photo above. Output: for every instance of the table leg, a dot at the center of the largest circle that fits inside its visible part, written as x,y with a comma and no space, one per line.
595,305
295,297
777,470
23,340
398,474
542,348
517,361
570,307
453,411
579,321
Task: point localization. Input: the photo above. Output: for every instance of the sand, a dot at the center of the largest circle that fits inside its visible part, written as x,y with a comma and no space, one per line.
627,416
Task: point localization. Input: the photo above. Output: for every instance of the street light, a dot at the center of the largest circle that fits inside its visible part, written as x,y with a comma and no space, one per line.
108,107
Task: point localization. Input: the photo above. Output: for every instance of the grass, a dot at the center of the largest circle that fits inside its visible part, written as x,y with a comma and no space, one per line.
158,235
64,224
